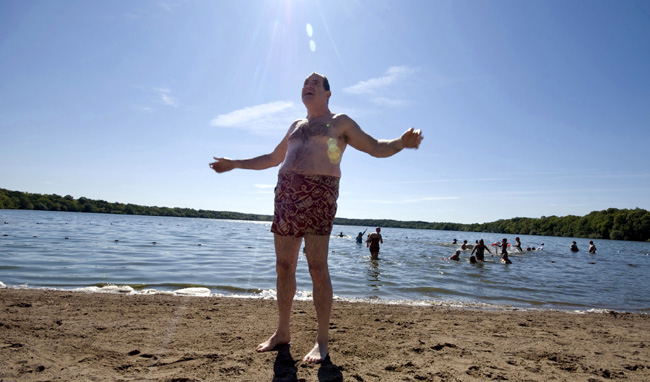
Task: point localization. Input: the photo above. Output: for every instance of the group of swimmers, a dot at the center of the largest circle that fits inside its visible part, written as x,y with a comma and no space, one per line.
374,238
592,247
480,249
372,241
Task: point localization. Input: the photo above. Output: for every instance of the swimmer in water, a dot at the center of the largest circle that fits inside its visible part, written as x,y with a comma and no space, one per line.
480,250
592,247
360,236
373,243
455,256
504,252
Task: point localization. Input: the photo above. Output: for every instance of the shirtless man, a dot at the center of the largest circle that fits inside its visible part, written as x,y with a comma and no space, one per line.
480,250
305,200
373,243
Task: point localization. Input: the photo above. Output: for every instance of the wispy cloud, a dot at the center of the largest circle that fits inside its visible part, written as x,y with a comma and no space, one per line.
165,97
371,86
146,109
262,189
455,180
539,176
383,101
272,115
416,200
169,5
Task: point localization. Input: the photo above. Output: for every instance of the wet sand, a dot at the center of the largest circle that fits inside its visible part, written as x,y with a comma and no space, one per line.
74,336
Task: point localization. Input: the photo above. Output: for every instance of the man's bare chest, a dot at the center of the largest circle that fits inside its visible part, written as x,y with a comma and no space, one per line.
306,130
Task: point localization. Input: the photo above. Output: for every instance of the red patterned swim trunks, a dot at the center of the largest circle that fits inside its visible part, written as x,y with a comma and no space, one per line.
305,204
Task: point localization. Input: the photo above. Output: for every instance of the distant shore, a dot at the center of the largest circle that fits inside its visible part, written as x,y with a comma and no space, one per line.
610,224
73,336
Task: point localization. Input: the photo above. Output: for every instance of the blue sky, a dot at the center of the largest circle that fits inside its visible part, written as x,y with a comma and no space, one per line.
528,108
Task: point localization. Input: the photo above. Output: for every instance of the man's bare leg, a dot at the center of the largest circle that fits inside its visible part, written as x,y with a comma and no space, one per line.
286,254
317,248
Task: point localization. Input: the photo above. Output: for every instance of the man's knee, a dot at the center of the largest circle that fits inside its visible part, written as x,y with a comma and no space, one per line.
285,267
319,272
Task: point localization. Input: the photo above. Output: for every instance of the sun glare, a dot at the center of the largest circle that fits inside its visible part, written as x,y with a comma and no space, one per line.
310,33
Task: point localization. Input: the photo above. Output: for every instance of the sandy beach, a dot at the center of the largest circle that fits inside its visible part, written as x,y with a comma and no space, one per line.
75,336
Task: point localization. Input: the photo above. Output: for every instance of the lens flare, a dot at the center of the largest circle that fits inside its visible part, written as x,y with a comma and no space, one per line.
333,151
310,33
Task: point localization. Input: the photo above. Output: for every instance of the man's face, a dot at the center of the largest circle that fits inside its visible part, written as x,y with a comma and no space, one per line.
313,90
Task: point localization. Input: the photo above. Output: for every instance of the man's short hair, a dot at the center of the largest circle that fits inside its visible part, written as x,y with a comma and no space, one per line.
326,84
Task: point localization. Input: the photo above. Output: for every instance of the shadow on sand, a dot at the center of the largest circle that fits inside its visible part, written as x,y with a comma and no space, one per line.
285,369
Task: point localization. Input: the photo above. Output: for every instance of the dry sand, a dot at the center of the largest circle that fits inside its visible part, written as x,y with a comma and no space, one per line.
74,336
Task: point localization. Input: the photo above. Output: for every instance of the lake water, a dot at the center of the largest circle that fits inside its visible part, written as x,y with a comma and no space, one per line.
143,254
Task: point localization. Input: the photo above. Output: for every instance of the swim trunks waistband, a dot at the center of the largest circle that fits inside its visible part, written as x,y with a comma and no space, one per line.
305,204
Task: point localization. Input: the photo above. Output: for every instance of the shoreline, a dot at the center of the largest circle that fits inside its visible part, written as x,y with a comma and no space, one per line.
203,292
67,336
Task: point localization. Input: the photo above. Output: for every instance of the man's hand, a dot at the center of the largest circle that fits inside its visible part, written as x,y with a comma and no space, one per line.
222,164
412,138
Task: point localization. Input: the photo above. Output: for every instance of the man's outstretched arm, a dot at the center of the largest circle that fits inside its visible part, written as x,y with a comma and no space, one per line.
261,162
380,148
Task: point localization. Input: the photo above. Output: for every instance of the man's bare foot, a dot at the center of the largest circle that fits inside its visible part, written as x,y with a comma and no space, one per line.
272,342
317,354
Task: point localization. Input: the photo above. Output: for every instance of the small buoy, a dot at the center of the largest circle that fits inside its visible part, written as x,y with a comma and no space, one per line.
153,242
116,240
67,238
199,244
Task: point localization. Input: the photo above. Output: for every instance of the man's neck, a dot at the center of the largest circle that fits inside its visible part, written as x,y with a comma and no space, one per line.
318,112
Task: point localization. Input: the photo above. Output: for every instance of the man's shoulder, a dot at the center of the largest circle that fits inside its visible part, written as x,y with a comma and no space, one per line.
342,120
295,124
341,117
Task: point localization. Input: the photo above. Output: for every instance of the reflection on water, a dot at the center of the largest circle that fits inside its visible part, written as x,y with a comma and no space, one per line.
373,274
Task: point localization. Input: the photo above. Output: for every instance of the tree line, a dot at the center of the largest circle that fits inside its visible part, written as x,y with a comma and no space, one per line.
613,223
